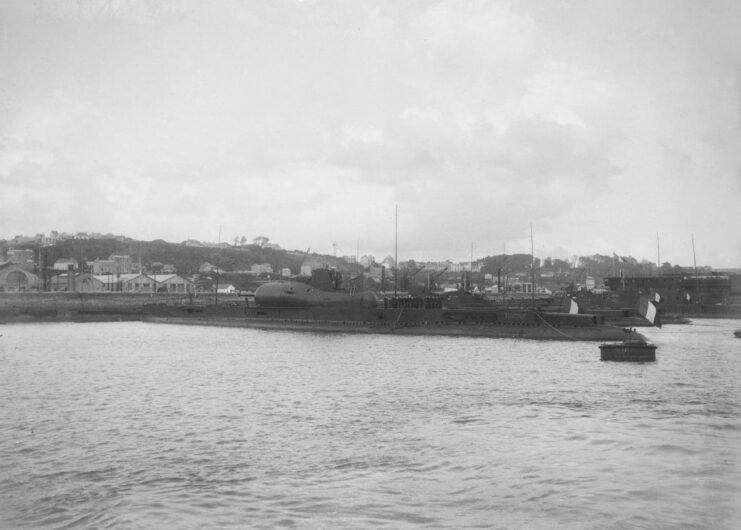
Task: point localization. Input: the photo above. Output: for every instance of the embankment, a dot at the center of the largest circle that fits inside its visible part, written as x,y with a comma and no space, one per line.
82,307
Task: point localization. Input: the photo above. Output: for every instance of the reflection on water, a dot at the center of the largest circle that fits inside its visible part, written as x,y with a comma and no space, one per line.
156,426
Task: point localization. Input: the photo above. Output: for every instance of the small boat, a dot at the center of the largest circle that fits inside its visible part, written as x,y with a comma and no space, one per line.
628,350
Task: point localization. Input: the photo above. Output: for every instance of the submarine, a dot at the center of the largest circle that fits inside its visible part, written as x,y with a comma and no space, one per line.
323,304
324,288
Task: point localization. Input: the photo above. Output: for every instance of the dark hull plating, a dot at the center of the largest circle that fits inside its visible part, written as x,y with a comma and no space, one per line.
500,323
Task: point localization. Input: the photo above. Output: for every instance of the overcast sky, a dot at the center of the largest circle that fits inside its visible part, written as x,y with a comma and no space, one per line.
602,123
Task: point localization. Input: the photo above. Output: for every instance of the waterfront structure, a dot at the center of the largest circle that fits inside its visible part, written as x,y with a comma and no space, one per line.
714,288
14,278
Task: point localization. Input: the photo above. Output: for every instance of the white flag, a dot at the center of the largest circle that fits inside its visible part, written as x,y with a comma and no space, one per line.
574,309
651,312
657,297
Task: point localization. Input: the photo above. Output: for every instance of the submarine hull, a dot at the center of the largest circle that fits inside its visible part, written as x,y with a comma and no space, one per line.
523,324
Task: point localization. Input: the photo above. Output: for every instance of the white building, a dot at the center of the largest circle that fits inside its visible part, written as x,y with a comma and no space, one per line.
63,264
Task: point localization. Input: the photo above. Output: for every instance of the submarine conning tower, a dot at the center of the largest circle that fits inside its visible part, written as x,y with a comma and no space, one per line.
326,279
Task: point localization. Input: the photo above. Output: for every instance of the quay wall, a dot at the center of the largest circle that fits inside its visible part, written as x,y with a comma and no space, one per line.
87,306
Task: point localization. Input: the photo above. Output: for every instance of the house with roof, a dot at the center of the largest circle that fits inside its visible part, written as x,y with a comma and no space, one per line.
226,288
172,283
126,283
88,283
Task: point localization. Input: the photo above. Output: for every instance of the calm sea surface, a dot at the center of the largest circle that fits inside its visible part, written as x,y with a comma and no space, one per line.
134,425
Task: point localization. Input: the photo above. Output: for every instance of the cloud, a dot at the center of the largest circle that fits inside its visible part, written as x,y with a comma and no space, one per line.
308,123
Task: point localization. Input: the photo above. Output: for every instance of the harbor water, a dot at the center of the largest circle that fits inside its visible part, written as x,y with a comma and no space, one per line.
135,425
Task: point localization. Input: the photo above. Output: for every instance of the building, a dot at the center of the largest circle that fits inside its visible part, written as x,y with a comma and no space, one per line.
207,267
63,282
172,283
115,264
64,264
14,278
87,283
126,283
226,289
261,268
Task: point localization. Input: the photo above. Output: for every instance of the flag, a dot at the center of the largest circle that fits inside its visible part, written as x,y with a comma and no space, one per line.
574,309
623,259
657,297
650,312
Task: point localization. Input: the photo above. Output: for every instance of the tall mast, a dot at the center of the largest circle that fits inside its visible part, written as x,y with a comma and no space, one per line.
532,265
658,252
218,265
504,268
694,260
396,247
470,263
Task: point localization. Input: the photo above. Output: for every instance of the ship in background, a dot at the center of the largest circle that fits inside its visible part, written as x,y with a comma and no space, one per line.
678,295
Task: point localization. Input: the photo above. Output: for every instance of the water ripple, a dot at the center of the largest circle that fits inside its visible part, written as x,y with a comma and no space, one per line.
143,426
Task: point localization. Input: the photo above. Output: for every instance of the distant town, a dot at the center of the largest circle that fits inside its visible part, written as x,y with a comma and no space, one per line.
95,262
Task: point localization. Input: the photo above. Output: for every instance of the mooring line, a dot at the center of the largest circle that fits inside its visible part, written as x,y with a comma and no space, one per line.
553,327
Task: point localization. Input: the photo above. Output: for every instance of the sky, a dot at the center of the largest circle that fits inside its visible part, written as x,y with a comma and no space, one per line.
605,126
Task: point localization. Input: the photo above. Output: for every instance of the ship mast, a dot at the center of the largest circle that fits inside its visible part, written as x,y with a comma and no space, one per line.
532,264
218,265
470,264
694,260
396,248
